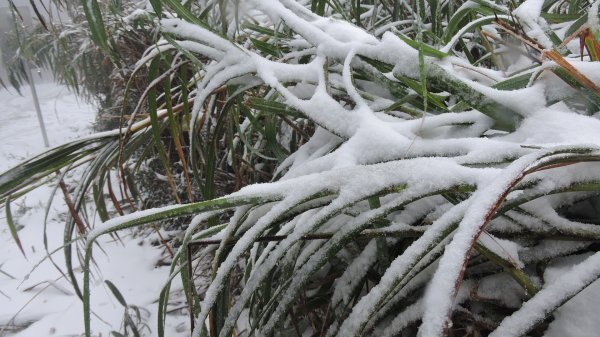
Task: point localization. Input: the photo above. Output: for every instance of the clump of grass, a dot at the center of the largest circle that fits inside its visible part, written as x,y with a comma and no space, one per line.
416,157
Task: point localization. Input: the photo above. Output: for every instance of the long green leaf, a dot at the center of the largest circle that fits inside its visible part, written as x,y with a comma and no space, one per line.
12,226
116,293
96,23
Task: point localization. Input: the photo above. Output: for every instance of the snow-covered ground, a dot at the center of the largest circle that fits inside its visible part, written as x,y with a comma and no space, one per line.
43,302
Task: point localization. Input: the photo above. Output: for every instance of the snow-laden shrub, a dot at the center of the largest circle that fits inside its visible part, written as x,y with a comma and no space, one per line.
453,162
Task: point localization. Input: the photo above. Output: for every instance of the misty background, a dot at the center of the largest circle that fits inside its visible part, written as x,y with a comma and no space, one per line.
7,27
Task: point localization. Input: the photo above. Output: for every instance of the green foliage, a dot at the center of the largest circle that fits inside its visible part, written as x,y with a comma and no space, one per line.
384,162
133,319
12,226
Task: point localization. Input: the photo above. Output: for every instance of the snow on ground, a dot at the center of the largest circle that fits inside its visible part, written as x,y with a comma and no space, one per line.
20,135
577,317
45,302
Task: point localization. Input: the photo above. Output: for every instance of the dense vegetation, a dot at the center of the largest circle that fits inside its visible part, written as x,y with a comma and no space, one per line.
426,162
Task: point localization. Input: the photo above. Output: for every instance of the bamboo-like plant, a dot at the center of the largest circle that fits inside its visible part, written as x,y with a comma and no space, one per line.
454,148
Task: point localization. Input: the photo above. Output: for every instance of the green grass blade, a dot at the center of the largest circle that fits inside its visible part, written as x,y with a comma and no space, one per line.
12,226
96,23
116,293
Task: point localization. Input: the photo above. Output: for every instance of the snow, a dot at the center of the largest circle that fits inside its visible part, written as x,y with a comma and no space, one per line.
441,291
359,150
468,27
593,20
410,315
506,249
135,15
573,318
557,290
344,31
502,288
550,249
39,298
528,14
364,137
398,270
354,274
21,136
556,127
